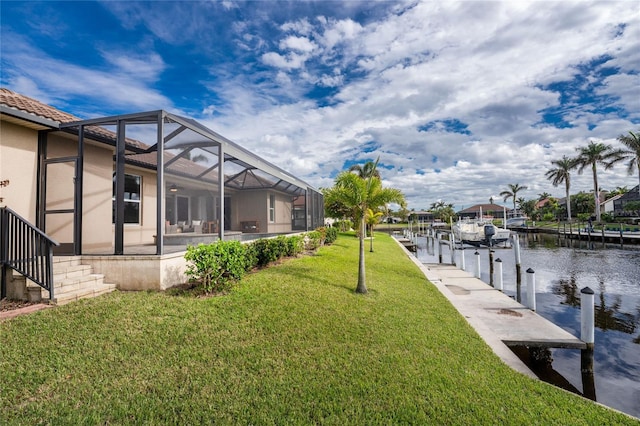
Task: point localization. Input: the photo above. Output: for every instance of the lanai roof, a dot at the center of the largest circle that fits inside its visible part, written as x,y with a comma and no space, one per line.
243,169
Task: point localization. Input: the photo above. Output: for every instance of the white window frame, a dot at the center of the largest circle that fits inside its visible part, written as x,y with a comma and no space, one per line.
272,208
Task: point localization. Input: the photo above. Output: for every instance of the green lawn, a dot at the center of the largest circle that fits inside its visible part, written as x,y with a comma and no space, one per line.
291,344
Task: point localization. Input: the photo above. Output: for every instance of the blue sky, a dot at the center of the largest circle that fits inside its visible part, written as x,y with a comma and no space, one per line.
458,99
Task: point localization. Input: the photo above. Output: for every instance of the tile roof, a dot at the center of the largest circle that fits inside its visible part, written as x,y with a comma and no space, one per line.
31,106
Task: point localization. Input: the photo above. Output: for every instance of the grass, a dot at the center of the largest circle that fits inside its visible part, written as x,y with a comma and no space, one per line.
291,344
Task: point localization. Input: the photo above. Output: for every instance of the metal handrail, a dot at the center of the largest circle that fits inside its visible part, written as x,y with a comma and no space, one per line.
26,249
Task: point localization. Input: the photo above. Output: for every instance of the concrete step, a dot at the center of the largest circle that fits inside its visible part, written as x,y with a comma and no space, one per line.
70,271
61,262
86,292
72,281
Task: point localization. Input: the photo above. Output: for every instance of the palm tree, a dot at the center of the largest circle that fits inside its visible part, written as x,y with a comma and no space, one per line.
593,154
632,153
543,196
369,169
562,174
372,219
512,193
359,194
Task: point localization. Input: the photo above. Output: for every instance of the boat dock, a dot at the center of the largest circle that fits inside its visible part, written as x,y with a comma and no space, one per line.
497,318
624,237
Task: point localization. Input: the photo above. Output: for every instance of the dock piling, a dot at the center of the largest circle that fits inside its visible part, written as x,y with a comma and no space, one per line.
587,335
462,260
499,285
477,265
516,250
452,248
531,289
491,251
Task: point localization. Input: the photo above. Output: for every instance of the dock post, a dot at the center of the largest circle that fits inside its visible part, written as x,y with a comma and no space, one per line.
587,335
452,248
516,246
491,251
603,244
531,289
621,238
462,265
477,268
499,285
437,243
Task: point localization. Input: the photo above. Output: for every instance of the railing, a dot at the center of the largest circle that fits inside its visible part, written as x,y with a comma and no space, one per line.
26,249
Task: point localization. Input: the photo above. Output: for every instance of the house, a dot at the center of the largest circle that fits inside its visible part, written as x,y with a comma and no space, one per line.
607,206
126,194
421,216
619,205
486,210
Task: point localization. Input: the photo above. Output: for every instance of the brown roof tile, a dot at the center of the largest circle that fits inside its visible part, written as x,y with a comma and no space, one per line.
37,108
31,106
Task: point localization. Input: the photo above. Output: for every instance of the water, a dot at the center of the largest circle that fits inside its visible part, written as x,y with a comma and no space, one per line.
562,268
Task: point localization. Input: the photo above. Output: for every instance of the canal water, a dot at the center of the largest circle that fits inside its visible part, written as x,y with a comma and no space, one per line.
562,268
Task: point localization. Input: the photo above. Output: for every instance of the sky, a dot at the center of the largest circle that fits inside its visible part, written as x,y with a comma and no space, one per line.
457,99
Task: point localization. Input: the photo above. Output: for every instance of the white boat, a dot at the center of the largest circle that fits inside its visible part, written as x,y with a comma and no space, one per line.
479,232
516,222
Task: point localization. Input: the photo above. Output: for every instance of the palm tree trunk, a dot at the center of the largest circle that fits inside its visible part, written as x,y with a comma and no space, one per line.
568,200
596,192
362,286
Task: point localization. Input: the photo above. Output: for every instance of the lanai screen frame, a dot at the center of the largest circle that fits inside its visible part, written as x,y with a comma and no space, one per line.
249,163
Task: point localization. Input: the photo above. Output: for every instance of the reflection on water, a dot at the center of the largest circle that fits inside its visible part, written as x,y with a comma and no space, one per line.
563,268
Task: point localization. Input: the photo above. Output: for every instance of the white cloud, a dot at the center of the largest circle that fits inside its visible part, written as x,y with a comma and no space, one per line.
300,44
486,65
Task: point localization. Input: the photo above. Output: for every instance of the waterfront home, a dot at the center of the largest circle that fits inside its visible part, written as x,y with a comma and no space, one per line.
619,205
125,195
486,210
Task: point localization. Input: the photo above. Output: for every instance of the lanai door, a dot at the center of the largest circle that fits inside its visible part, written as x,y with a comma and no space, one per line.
59,203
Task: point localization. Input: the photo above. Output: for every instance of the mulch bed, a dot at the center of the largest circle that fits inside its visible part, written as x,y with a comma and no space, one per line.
12,305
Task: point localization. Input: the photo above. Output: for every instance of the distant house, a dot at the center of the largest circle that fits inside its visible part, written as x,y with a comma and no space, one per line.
421,216
607,206
620,203
491,210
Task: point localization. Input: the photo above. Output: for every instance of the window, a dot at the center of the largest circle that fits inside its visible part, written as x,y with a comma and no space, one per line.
132,198
272,208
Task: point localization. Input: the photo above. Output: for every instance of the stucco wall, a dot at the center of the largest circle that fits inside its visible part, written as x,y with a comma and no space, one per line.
248,206
283,214
18,164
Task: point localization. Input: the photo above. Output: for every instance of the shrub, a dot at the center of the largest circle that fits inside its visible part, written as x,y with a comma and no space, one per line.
295,245
264,251
343,225
216,266
548,217
251,256
323,234
312,240
332,235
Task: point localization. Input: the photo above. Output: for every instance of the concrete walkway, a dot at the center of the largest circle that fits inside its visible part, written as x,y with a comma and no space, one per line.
496,317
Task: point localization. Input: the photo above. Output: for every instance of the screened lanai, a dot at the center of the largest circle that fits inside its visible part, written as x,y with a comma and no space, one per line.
169,188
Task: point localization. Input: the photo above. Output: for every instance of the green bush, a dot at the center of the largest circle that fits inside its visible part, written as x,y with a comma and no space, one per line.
548,217
312,240
332,235
264,251
295,245
251,256
216,266
606,217
343,225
